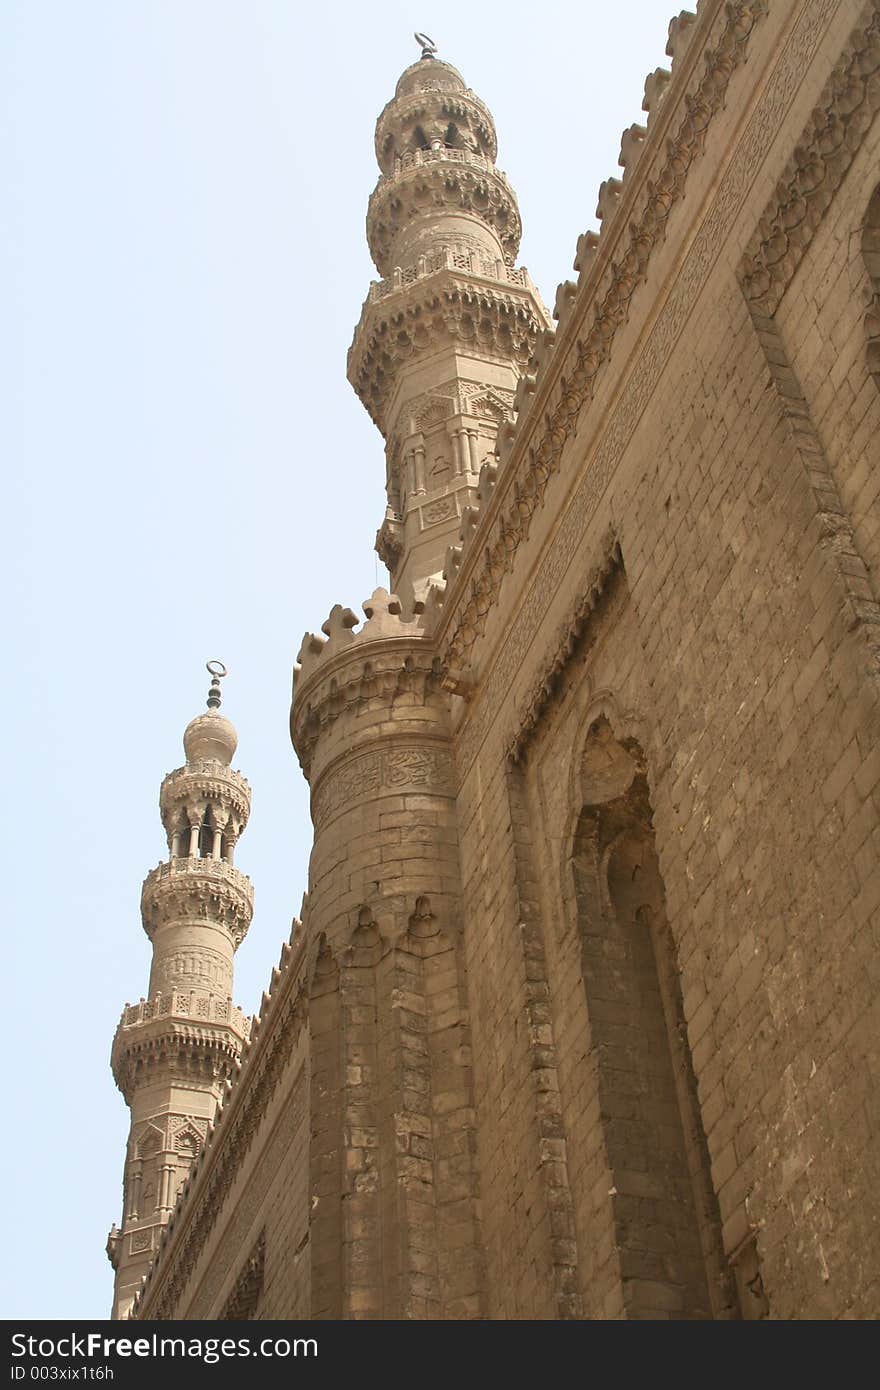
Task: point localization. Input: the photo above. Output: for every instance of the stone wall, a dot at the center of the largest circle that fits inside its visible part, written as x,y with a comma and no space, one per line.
587,980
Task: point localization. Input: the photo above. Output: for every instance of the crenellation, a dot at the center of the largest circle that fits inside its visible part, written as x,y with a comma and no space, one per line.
631,143
609,198
656,84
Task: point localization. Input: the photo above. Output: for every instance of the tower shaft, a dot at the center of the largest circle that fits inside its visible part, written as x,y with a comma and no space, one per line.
174,1051
444,337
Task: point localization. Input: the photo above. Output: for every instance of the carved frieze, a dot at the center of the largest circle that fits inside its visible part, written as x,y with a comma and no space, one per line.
445,308
206,781
435,181
388,770
409,669
193,889
827,147
432,103
203,1052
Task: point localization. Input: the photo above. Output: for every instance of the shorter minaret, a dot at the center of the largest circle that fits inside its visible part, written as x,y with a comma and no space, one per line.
173,1052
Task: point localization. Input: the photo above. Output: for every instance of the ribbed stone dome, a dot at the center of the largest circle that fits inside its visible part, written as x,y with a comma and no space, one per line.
429,73
210,736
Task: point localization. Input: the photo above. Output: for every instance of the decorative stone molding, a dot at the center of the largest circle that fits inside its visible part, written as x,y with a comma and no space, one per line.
205,1052
531,463
443,308
390,671
205,781
559,651
408,768
205,1008
429,182
871,256
386,658
828,145
453,256
206,890
389,541
549,1118
242,1302
441,105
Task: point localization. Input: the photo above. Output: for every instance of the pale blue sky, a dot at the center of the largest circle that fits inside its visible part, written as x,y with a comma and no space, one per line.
188,474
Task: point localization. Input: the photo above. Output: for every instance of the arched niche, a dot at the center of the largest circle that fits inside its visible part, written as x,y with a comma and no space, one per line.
664,1209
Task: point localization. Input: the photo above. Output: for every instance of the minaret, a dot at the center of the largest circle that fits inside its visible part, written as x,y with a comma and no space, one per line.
442,342
173,1052
444,337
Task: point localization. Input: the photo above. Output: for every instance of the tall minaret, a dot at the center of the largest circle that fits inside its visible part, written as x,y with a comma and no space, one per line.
442,341
444,337
173,1052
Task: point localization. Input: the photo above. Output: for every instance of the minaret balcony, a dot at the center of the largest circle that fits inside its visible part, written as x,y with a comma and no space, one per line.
187,1004
437,184
417,159
455,258
197,890
196,1035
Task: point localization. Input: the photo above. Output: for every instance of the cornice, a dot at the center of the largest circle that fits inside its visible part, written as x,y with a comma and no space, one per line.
558,653
427,183
206,781
500,319
179,1044
611,268
402,112
204,890
361,675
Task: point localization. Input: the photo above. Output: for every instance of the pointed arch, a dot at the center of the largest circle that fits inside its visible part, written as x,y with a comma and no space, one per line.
664,1209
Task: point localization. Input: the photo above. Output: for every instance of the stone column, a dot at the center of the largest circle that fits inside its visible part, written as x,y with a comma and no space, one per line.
134,1190
472,436
419,457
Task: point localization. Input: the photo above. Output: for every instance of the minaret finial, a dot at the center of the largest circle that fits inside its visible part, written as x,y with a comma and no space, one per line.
429,48
217,671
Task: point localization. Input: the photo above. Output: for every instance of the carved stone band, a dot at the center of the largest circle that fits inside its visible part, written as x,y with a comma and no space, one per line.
410,769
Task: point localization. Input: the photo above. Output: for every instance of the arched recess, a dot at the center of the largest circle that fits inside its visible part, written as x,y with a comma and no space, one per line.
664,1209
871,256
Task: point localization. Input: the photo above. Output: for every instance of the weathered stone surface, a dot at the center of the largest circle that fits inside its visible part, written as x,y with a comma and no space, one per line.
579,1020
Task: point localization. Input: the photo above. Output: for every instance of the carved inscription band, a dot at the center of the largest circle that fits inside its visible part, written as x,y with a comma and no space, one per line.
394,770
